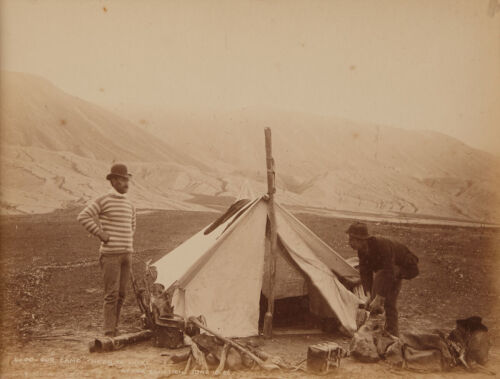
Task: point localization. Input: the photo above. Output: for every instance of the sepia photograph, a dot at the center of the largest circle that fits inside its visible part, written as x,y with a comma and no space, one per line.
249,188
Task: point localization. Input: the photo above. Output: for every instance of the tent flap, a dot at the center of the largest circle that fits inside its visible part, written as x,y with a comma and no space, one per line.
342,301
328,256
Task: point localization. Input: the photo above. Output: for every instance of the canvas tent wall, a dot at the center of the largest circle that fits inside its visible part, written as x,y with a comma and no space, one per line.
220,275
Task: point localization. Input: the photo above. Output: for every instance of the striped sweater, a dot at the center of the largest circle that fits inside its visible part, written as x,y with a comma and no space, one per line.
114,214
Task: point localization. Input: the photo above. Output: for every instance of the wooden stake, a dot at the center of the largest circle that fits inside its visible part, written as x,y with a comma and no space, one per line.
222,362
271,189
188,365
197,354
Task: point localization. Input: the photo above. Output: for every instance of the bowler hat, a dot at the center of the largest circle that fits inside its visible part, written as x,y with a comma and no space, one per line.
358,230
118,169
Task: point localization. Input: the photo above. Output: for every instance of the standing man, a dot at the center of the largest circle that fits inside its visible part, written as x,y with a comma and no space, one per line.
112,218
382,265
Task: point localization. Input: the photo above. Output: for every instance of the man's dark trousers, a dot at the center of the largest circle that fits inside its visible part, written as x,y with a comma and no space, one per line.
390,304
116,274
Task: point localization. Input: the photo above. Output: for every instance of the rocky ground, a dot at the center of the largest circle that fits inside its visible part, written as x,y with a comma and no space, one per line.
51,293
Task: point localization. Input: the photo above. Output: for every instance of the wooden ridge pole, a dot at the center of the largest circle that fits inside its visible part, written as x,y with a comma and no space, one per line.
271,189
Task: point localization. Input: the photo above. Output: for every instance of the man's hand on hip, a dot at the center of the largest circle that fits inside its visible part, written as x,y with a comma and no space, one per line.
103,236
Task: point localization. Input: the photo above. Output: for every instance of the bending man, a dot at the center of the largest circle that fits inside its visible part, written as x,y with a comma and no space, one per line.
382,265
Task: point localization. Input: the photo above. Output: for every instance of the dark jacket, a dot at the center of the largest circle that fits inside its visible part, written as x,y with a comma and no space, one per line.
394,259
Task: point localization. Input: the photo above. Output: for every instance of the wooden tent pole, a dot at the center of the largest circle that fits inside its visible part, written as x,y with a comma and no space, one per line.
271,189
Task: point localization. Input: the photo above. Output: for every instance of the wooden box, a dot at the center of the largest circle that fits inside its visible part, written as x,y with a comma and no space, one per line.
324,356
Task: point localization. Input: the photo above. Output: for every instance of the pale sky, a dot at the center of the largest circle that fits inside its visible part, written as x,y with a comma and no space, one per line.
416,64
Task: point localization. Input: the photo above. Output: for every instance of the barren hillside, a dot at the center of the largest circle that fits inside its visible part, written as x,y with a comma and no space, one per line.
57,149
339,164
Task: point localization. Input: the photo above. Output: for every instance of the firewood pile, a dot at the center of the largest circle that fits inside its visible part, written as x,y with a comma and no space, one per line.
209,350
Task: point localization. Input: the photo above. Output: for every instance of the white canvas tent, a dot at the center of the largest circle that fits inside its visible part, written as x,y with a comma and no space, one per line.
220,275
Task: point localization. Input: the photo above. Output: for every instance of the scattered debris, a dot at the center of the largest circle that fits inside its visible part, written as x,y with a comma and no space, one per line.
467,345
